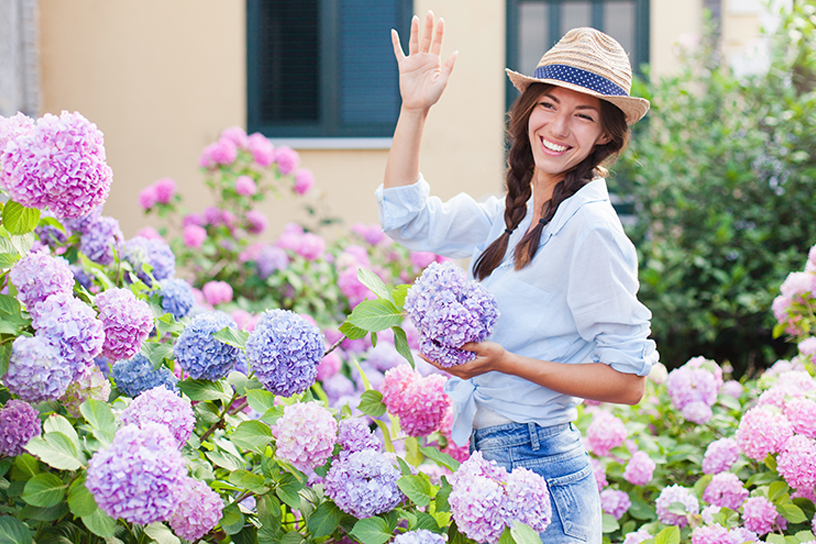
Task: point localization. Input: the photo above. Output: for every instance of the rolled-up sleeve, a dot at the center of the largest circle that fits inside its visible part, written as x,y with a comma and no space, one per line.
421,222
602,295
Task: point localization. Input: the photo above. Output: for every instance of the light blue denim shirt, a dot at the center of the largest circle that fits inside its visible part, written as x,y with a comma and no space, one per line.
576,302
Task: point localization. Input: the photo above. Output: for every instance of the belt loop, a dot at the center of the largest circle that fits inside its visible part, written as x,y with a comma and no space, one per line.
533,435
473,441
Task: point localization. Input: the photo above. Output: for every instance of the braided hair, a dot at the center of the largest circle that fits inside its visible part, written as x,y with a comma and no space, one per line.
519,176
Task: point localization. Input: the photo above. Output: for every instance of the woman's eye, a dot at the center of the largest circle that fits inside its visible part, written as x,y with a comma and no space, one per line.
546,105
587,117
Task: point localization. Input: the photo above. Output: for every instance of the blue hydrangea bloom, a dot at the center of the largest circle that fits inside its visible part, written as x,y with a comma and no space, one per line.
177,297
363,484
284,351
202,356
150,251
419,536
135,376
101,239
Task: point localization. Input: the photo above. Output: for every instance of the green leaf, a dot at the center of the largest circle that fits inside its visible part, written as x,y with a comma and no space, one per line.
324,520
28,465
55,423
260,400
252,435
292,537
17,219
416,488
23,243
441,458
166,323
352,332
373,282
610,524
524,534
289,495
14,531
157,353
506,537
233,337
371,403
232,520
161,533
776,539
669,535
399,293
791,512
371,530
777,490
401,345
44,490
7,260
386,434
56,450
9,306
427,522
100,524
80,500
204,390
375,315
249,481
100,417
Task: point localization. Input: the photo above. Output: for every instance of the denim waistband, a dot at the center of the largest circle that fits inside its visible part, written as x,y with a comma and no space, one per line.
513,434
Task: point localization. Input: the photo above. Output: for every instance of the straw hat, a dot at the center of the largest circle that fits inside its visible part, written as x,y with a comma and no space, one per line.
588,61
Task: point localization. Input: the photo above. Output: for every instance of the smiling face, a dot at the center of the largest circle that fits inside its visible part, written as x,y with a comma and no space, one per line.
564,127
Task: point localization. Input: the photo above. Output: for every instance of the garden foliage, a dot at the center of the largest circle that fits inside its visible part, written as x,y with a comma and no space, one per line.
722,177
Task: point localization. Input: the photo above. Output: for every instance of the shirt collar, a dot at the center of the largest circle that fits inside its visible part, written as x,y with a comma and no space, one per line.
594,191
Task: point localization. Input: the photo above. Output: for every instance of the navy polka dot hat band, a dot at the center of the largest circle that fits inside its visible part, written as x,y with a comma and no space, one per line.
588,61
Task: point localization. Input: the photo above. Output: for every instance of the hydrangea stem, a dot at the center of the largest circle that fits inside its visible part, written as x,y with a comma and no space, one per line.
221,417
335,345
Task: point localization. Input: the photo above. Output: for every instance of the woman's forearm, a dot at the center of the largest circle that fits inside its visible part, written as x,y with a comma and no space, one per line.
402,167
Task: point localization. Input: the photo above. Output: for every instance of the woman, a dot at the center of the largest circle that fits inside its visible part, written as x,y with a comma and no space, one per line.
553,252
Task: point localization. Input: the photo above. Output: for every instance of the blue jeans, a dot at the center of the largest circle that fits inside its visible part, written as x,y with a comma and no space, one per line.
557,454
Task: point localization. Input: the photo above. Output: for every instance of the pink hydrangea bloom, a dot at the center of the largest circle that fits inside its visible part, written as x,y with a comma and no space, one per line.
165,190
245,186
16,126
672,494
263,152
304,180
162,406
353,256
127,322
217,292
761,431
236,135
605,433
256,221
697,381
199,509
801,412
305,435
797,284
637,537
711,534
147,197
150,233
797,462
807,347
420,403
287,159
311,246
352,288
725,490
38,275
193,219
290,236
329,365
759,515
732,388
639,469
615,502
422,259
599,472
720,455
218,153
194,236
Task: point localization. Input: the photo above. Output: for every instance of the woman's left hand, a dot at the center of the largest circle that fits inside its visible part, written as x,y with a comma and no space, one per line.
489,357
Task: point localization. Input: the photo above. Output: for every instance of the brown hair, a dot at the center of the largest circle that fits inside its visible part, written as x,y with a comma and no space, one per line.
520,169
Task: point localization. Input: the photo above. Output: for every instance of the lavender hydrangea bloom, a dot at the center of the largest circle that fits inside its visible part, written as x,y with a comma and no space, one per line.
103,238
49,234
152,252
477,497
164,407
639,469
36,372
419,536
92,384
71,326
725,490
199,510
177,297
19,423
81,225
363,484
135,376
138,477
81,276
16,126
284,351
615,502
270,259
127,321
60,164
693,388
720,455
672,494
305,435
38,276
527,500
200,354
449,311
355,435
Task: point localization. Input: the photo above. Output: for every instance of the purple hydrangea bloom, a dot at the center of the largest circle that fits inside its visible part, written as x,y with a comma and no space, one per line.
725,490
419,536
199,510
165,407
72,327
36,372
16,126
672,494
60,164
720,455
284,351
19,423
38,276
81,225
759,515
127,321
177,297
363,484
200,354
615,502
355,435
138,477
449,311
49,234
697,381
81,276
152,252
92,384
639,469
270,259
305,435
135,376
486,498
103,238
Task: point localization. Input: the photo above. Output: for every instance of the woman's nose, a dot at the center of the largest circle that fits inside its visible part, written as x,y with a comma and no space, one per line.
560,125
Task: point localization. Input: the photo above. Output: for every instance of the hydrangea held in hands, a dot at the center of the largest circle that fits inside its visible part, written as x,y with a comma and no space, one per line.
420,402
199,509
284,351
136,375
305,435
127,321
449,311
138,477
160,405
201,355
19,423
363,484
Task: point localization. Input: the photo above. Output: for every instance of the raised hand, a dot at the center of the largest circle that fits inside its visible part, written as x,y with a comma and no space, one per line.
422,76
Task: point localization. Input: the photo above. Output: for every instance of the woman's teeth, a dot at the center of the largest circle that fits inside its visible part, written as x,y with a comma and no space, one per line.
554,147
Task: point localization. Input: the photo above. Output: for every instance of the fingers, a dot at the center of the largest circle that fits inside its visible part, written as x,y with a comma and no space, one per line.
413,40
427,34
436,46
397,47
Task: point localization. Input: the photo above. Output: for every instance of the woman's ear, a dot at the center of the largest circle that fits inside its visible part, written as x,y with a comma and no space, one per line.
603,139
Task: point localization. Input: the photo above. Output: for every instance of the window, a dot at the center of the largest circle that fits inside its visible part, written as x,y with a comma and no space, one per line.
323,68
533,26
